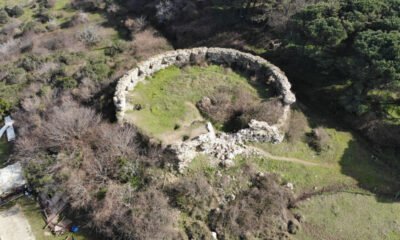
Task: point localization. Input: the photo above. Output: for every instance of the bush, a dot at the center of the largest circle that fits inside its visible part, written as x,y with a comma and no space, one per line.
3,16
261,212
297,126
198,230
43,15
235,108
148,43
194,195
66,82
55,43
319,139
5,106
115,48
11,47
30,63
52,25
96,71
15,11
30,26
89,35
78,19
225,104
48,3
268,111
16,76
136,24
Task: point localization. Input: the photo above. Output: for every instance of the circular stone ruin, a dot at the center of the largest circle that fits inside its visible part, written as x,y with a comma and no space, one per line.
221,147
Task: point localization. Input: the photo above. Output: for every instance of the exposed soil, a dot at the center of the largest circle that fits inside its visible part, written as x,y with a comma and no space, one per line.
14,225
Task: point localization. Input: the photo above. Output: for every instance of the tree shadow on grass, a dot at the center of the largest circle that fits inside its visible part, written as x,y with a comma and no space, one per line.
370,172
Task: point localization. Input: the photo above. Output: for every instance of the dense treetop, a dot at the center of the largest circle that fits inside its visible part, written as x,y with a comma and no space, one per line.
360,40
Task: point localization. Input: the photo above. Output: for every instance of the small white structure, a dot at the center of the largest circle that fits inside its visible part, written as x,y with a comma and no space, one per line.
9,128
11,178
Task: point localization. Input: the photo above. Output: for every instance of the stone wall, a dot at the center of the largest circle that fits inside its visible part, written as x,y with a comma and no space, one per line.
226,145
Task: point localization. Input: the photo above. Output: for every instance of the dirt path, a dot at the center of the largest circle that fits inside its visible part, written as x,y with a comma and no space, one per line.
285,159
14,225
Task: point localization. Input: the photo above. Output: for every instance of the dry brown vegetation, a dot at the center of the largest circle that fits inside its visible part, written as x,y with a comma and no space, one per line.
112,175
235,108
100,167
257,213
297,126
148,43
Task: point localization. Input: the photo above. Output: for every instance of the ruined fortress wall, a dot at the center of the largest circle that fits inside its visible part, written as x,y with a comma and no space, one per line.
223,147
219,56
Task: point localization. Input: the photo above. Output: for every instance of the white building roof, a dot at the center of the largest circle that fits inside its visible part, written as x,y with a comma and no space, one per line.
11,177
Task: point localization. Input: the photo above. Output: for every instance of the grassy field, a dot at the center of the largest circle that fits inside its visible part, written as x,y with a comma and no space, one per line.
168,98
362,211
349,216
347,161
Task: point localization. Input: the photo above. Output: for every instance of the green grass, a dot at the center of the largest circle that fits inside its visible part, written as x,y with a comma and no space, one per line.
360,214
169,97
349,216
10,92
300,149
60,4
347,161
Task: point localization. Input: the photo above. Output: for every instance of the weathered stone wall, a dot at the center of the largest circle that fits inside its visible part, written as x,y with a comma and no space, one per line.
224,56
226,145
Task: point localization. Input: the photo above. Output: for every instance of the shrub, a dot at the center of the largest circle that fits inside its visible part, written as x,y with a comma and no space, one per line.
15,11
52,25
30,26
268,111
48,3
115,48
78,19
257,213
3,16
198,230
136,24
194,195
30,63
5,106
55,43
97,71
89,35
9,30
225,104
148,217
319,139
148,43
235,108
16,76
43,15
297,126
10,47
66,82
